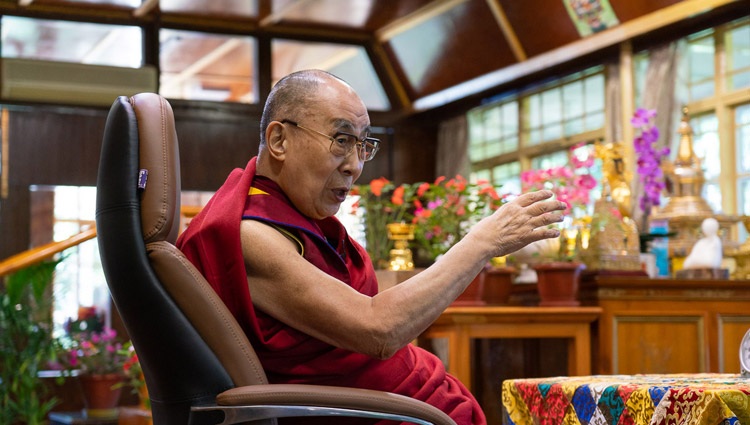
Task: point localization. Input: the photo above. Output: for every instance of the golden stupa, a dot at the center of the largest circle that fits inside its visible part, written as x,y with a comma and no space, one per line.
686,209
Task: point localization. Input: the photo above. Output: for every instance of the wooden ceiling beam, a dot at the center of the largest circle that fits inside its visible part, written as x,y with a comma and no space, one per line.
611,37
274,18
388,77
507,29
145,8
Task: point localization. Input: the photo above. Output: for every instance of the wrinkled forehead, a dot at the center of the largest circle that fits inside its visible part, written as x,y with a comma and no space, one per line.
347,126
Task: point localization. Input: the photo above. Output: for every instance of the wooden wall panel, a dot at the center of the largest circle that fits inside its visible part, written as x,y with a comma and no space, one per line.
681,325
731,330
648,342
60,146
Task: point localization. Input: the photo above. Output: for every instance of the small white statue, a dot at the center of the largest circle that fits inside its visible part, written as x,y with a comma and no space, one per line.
708,251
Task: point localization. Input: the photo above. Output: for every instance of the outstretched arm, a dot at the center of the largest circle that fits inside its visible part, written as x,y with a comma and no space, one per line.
286,286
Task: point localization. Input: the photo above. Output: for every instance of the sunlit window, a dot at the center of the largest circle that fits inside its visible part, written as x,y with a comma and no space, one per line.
508,177
570,108
202,66
707,147
79,279
555,159
493,131
534,129
348,62
742,135
737,45
699,65
713,77
66,41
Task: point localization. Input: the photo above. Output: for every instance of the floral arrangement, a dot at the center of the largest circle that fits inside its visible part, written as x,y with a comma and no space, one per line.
442,212
570,184
382,202
446,209
90,347
96,353
649,158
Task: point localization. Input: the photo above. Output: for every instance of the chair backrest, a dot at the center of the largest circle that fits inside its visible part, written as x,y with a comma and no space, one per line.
189,345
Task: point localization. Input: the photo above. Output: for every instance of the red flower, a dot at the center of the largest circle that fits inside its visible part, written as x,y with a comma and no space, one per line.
377,185
398,196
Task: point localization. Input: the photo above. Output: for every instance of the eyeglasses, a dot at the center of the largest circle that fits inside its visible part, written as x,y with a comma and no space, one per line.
342,144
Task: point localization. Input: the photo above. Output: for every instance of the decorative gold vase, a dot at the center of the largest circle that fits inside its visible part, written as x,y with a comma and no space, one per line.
401,256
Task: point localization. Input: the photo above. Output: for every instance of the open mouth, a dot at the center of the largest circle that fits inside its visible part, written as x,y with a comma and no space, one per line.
340,194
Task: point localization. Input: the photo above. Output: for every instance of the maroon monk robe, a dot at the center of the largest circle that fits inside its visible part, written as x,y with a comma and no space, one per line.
212,243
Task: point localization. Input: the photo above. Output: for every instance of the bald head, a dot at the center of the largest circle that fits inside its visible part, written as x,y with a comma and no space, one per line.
294,96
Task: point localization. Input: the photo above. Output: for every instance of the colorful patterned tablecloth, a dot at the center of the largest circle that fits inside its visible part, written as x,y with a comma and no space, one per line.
695,399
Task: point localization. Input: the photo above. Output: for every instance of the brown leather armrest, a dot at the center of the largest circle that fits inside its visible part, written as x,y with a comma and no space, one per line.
326,396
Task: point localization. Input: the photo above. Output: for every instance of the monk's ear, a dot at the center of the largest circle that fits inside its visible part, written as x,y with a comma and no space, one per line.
276,141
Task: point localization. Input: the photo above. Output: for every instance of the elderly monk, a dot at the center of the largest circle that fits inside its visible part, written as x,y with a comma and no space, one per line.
304,291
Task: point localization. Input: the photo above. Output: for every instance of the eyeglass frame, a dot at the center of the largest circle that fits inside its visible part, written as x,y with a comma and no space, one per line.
360,144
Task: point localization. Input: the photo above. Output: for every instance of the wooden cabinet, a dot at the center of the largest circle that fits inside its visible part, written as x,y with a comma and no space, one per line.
667,325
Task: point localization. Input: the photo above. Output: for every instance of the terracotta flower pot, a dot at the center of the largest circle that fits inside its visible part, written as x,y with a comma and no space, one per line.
99,398
473,294
557,283
498,283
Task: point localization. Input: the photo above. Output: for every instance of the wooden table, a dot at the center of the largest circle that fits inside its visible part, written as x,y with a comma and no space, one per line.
462,324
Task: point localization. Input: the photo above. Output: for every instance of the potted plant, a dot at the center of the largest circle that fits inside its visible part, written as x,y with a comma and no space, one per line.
94,354
26,344
554,260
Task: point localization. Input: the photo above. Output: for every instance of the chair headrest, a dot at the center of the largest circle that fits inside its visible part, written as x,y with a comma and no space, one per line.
159,167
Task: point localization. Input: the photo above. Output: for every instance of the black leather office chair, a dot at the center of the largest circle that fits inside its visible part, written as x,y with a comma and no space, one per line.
199,366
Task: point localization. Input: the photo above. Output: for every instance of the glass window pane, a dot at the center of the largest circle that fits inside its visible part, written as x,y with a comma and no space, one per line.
640,66
535,110
555,159
573,100
66,41
510,119
244,8
743,194
551,107
574,126
743,115
480,175
700,64
706,144
701,59
492,130
201,66
701,90
348,62
712,195
742,123
594,88
738,57
739,80
508,178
